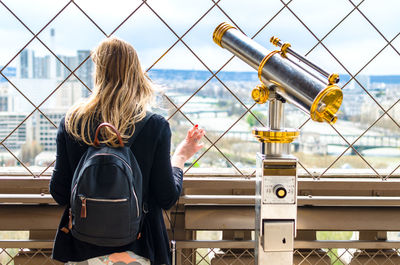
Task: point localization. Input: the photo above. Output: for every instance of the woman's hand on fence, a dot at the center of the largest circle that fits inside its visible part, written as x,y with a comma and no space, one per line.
188,147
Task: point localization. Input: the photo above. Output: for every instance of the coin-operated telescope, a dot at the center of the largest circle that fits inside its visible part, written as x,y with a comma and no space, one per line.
285,76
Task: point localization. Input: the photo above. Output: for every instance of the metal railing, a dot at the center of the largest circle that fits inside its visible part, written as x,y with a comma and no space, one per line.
213,222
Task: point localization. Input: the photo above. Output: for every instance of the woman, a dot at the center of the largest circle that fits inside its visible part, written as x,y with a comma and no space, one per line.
121,96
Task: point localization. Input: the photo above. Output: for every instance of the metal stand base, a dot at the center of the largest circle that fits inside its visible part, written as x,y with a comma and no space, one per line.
276,209
278,258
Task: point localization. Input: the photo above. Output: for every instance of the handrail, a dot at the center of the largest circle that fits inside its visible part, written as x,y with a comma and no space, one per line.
306,186
26,243
233,244
371,201
298,244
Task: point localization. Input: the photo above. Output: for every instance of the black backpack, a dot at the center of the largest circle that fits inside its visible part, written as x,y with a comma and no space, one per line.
106,194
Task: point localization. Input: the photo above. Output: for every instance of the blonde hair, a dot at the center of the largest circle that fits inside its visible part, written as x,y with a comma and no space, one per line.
120,96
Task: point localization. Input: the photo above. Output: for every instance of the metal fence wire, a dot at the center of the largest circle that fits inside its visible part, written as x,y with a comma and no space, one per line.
26,256
191,255
229,256
287,7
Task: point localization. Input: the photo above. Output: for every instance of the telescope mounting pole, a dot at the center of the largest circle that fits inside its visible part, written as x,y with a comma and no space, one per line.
276,189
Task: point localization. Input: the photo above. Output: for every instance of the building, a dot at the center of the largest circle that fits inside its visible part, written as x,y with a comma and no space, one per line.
45,132
67,95
10,98
31,66
4,98
41,67
3,103
85,72
10,121
61,71
48,67
14,109
26,58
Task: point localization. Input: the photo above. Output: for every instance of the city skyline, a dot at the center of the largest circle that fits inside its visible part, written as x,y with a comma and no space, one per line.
353,42
213,108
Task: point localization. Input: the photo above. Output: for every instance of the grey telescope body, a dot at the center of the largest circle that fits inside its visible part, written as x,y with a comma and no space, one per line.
306,89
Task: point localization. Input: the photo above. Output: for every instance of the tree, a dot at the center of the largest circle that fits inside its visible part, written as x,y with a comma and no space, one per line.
29,151
252,121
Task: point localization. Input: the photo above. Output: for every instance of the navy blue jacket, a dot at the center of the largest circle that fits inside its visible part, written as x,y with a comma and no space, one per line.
164,183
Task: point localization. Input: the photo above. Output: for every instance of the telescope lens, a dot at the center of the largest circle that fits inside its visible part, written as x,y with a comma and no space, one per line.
326,105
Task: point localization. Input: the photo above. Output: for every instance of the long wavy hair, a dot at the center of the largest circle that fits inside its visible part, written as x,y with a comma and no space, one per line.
121,95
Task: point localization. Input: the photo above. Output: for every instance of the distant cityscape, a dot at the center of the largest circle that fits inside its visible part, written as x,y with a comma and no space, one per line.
36,77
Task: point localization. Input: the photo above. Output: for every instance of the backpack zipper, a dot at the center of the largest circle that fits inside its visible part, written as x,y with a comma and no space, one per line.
84,199
137,203
83,208
103,200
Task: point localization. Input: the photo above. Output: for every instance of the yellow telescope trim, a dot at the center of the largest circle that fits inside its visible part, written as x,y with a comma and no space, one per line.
260,94
220,31
326,104
270,136
264,61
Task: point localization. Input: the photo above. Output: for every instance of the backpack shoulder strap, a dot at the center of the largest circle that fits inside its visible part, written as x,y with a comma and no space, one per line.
138,127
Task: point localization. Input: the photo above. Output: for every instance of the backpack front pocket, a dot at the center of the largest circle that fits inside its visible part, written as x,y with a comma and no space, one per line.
103,218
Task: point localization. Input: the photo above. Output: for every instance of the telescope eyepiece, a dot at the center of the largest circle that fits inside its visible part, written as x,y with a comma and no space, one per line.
275,41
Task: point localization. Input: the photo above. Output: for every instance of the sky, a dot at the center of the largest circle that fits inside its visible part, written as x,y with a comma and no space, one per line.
346,49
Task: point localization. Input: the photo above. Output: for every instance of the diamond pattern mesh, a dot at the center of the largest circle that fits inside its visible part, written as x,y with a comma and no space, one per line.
230,256
177,29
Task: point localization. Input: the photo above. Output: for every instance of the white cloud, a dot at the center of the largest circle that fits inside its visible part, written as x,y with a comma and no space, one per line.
151,37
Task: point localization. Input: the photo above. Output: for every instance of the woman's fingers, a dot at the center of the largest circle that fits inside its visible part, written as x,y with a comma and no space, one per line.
192,130
197,135
187,148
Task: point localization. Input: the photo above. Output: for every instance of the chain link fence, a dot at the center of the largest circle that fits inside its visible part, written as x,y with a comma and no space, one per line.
45,67
14,256
228,256
214,256
177,35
